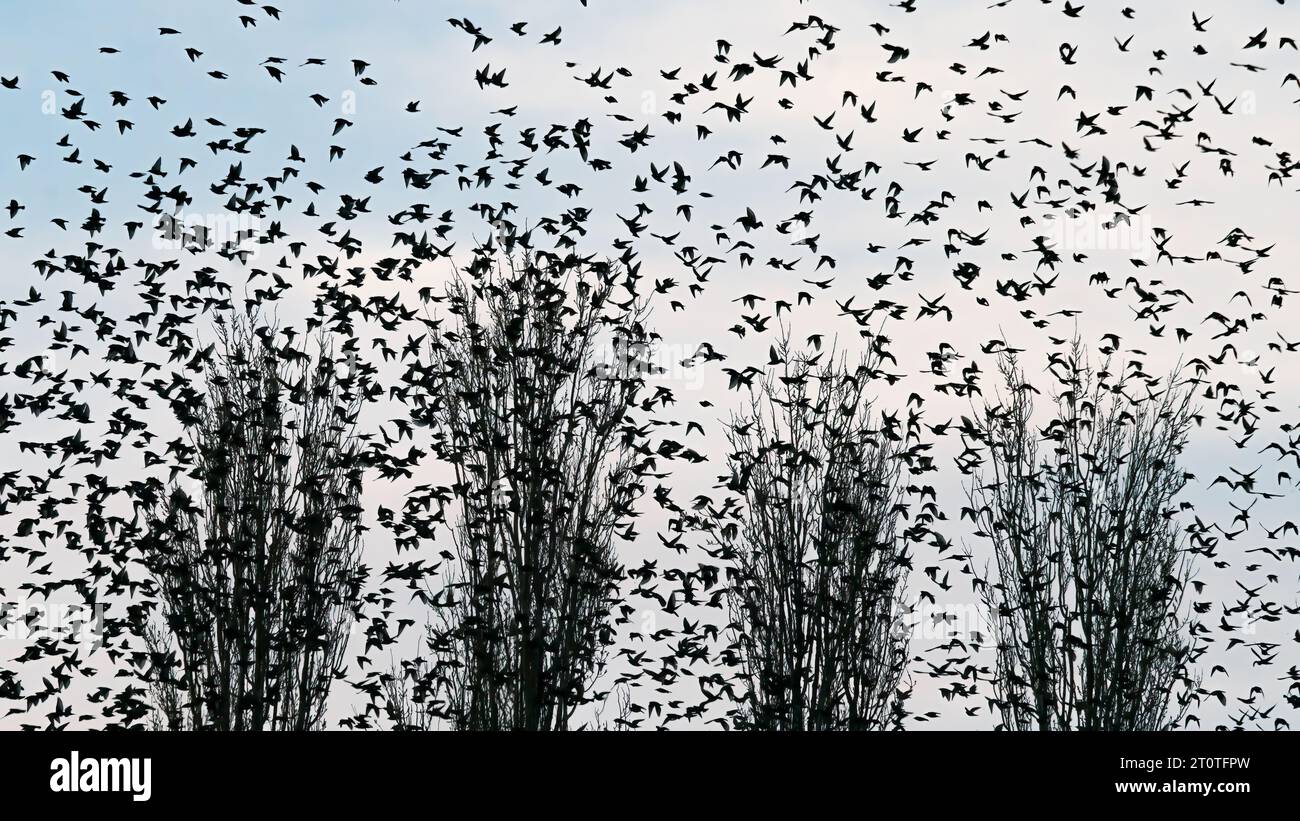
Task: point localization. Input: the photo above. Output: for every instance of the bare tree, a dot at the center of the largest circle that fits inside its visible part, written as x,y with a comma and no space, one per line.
535,427
257,569
1087,604
819,564
405,705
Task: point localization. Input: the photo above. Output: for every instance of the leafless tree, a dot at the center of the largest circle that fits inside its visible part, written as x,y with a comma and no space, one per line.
1086,606
819,565
256,566
405,704
534,424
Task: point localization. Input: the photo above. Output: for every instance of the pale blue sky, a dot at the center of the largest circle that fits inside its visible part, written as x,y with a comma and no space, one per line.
415,55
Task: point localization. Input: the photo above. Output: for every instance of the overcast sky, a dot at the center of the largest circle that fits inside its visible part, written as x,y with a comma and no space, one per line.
414,54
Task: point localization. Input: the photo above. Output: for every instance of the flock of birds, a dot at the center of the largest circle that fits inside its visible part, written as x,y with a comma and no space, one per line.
910,196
